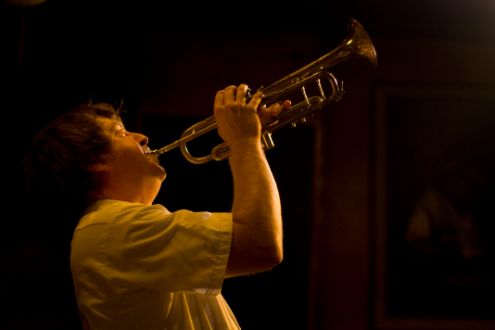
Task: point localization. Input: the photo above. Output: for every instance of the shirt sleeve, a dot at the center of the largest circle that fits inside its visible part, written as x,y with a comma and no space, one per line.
149,247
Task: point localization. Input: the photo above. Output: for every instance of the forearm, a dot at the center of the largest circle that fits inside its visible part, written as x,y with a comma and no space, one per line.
257,237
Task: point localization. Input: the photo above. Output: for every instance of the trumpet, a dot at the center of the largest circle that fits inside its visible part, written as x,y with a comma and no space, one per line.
314,77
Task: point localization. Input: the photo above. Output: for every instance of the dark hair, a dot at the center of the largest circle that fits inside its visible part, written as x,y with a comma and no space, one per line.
57,167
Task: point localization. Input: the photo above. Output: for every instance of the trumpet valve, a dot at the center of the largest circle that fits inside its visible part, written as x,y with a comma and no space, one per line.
267,140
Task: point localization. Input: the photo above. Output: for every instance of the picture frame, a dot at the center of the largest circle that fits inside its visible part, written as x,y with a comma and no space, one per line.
430,144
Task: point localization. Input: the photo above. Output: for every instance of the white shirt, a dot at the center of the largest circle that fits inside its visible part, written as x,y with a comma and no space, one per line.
137,266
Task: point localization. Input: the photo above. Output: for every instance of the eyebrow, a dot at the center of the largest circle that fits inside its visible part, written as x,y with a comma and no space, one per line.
111,125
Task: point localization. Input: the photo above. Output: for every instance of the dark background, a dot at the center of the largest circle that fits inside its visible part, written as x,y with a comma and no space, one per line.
166,61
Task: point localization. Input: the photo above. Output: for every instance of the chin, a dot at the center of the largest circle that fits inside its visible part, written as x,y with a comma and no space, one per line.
163,174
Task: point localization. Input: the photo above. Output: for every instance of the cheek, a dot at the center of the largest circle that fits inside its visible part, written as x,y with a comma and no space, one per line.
130,157
128,148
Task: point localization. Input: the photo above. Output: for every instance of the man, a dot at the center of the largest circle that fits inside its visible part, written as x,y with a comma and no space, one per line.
135,264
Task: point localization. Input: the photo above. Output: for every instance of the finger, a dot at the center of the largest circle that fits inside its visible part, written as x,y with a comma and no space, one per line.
241,93
275,109
262,109
256,100
219,99
262,112
229,93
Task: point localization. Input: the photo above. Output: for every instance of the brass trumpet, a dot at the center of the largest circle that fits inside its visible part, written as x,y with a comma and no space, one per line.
314,76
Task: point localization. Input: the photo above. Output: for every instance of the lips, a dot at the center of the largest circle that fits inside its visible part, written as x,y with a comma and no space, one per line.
152,157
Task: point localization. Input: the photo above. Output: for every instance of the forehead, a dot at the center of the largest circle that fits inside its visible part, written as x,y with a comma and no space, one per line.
109,124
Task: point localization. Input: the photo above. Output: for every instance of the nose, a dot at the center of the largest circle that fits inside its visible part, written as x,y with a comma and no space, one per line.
141,138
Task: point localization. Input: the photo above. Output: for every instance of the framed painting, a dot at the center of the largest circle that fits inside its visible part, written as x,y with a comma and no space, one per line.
434,207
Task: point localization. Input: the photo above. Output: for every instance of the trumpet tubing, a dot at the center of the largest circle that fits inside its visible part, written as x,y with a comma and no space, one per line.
315,85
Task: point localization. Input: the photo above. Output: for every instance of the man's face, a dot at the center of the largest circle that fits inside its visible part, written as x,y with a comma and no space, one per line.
129,167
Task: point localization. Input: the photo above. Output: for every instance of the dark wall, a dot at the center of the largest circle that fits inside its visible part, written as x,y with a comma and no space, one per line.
167,63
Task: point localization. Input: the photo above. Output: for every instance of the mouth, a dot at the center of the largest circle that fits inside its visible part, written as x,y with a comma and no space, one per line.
148,154
152,157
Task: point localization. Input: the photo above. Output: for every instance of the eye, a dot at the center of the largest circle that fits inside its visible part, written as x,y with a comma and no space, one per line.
121,131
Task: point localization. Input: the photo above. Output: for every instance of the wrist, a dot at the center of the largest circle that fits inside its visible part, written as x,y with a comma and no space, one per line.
245,146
